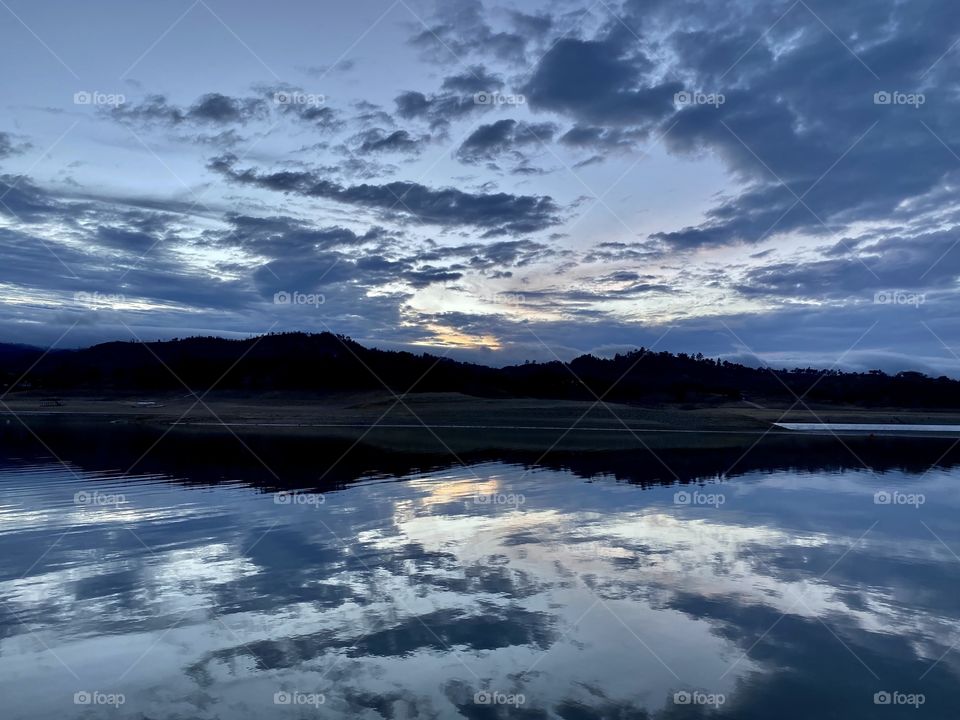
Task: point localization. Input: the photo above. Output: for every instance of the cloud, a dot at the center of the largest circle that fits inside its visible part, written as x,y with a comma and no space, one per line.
592,81
503,137
319,71
220,109
460,30
800,119
531,25
598,138
378,140
9,146
24,201
474,80
924,261
496,213
439,110
280,236
833,197
6,145
212,109
216,110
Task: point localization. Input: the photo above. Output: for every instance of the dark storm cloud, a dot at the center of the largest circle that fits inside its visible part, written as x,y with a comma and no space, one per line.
496,213
438,110
217,110
429,276
277,237
320,116
212,108
24,201
412,104
503,137
531,25
378,140
594,82
799,113
220,109
9,146
309,108
803,122
369,113
488,256
924,261
125,239
474,80
461,29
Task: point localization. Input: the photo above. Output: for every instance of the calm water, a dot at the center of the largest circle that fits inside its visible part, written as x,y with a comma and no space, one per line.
495,590
871,427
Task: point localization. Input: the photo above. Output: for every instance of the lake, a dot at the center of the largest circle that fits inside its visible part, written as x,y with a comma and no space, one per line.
499,588
879,428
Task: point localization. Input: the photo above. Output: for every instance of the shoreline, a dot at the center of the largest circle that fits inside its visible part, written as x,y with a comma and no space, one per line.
452,422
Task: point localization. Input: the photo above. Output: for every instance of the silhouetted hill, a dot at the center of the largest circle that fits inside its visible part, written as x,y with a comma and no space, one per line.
331,363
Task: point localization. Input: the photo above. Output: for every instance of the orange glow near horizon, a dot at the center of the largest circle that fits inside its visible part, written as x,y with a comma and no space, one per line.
449,337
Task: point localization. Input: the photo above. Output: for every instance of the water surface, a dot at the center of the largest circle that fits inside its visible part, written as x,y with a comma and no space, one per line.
498,589
871,427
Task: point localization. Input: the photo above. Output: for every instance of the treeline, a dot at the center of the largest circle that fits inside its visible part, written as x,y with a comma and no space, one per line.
330,363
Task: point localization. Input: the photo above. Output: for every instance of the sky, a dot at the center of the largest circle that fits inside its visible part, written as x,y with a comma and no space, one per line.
768,182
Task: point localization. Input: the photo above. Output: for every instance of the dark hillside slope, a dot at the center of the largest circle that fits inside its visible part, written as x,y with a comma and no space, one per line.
331,363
